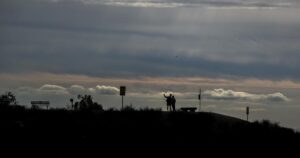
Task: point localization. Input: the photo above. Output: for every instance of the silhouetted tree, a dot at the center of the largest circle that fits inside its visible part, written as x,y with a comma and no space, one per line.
86,103
7,100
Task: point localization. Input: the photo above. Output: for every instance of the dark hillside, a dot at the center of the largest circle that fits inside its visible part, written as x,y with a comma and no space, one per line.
75,132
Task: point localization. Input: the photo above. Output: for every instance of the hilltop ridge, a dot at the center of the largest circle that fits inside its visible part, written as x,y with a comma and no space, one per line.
79,130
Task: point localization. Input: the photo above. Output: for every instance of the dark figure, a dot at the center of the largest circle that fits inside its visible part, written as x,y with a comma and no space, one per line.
173,103
169,101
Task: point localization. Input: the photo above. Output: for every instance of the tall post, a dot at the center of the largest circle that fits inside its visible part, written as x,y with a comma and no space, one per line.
247,112
199,97
122,93
122,102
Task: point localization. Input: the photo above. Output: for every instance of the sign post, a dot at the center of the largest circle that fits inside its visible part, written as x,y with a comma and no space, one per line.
199,98
247,112
122,93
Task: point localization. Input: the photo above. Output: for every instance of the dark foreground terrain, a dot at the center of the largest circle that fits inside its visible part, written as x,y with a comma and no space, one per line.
64,133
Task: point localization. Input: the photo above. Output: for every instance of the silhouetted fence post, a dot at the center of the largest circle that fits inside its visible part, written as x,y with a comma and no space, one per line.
122,93
247,112
199,97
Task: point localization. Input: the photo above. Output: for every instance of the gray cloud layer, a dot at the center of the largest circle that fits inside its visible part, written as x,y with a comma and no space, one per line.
190,3
96,40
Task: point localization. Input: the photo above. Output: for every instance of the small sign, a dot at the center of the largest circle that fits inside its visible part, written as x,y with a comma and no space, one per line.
247,110
122,90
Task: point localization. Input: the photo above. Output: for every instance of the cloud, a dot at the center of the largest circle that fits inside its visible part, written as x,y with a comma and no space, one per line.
53,89
149,83
144,4
106,90
216,94
103,89
250,4
78,89
49,89
148,42
221,94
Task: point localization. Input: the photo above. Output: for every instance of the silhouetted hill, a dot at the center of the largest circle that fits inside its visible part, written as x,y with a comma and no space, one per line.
82,132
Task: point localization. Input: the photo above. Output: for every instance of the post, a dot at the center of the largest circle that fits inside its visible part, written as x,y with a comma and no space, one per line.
122,93
199,97
122,101
247,112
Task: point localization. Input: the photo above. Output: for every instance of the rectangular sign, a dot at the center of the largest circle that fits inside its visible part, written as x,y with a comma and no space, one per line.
40,102
122,90
247,110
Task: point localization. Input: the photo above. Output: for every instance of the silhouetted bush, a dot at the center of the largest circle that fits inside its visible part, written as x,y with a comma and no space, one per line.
7,99
111,109
128,109
86,103
268,124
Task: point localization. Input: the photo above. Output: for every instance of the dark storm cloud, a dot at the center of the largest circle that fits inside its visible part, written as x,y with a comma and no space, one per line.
103,40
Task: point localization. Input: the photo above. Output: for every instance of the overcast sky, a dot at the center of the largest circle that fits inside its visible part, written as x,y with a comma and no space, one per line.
240,52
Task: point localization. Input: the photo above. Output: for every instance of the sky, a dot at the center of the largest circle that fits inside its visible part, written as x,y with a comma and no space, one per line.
239,52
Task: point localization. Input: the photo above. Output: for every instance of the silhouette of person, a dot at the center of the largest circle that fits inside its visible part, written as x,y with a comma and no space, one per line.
169,101
173,103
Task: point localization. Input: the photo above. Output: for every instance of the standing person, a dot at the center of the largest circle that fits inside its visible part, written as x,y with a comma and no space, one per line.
169,101
173,103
